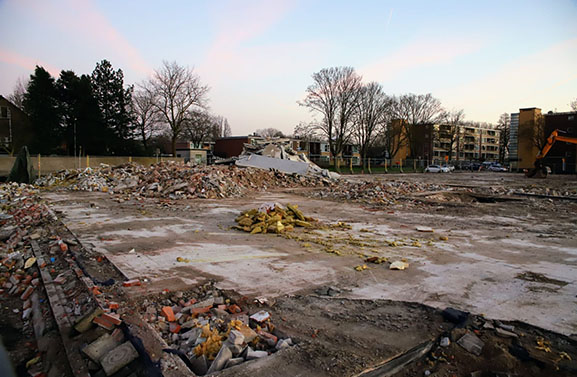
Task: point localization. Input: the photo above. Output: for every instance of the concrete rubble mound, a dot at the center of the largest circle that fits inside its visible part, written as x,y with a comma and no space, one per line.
210,331
375,192
277,154
176,181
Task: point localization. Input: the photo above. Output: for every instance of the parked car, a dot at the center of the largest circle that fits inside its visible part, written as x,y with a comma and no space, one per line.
496,167
450,167
436,169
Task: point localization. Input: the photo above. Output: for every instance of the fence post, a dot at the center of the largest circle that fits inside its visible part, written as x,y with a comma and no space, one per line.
39,171
386,163
87,161
369,165
351,165
414,166
401,166
130,159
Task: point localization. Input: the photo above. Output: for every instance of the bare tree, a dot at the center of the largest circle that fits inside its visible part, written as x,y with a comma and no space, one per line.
373,112
306,131
334,95
574,105
269,132
220,128
504,128
146,116
17,95
226,131
416,110
176,91
449,130
200,126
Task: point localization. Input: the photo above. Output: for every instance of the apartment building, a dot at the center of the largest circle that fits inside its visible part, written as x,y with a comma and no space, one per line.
443,142
528,133
468,142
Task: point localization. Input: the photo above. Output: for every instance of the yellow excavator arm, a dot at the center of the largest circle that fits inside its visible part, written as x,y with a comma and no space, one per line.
539,171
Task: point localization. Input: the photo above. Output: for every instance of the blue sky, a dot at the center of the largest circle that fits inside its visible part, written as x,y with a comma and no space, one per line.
484,57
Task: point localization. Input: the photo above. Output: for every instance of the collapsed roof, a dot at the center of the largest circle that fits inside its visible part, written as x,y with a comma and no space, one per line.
277,154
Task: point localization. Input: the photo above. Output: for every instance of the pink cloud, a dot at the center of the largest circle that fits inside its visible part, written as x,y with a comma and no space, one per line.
83,18
14,58
418,54
238,23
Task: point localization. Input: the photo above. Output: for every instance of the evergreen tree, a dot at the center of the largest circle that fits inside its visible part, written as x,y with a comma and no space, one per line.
41,105
67,99
82,120
114,103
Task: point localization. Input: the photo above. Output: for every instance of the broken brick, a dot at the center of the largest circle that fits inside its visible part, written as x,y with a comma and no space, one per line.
168,313
63,246
206,309
174,327
113,305
27,293
111,317
104,323
131,283
234,309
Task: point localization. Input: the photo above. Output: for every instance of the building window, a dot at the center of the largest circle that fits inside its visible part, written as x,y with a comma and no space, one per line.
571,117
3,112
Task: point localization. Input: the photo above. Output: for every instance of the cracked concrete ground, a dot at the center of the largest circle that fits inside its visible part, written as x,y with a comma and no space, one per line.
481,267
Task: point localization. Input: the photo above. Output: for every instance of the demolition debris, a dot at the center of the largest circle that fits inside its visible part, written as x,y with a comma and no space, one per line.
272,218
210,331
177,181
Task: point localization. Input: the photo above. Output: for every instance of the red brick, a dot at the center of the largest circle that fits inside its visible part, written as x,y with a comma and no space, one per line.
174,328
200,310
113,305
168,313
234,308
192,301
267,335
104,323
131,283
114,318
27,293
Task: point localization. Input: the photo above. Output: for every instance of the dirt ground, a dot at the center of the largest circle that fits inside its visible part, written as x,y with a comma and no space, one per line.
505,257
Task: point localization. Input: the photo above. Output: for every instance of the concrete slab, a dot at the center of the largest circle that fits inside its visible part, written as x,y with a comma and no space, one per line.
118,358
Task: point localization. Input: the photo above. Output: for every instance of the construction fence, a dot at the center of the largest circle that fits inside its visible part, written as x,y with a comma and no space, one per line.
43,165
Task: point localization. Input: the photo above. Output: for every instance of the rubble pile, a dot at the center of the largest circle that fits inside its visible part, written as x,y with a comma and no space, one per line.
388,192
20,211
534,190
176,181
39,268
477,346
277,154
210,331
272,218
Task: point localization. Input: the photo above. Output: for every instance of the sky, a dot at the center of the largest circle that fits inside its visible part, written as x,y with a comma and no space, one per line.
258,56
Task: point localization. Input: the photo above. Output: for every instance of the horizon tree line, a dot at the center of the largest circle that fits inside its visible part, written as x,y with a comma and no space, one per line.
98,114
349,111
